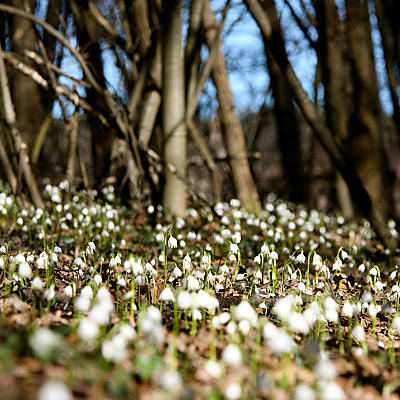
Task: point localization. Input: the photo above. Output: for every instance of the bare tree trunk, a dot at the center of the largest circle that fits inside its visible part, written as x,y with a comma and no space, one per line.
364,144
335,77
27,95
234,138
173,109
285,114
88,38
339,159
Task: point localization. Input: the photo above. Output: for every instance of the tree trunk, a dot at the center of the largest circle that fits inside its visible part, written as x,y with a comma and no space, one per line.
312,115
102,137
335,78
173,108
364,141
285,114
234,138
27,95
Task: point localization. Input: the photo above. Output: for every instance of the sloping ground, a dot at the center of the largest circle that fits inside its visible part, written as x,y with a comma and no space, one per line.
97,303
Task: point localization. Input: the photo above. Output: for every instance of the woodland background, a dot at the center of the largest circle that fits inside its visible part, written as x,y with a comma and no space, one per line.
170,131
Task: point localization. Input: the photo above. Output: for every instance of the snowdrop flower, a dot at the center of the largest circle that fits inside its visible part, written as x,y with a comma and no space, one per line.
396,324
347,309
225,317
172,242
283,308
233,391
224,269
90,249
184,300
373,271
304,392
379,286
97,279
337,265
115,349
171,380
332,391
301,258
358,333
68,291
54,390
361,268
187,263
264,249
325,369
19,259
82,303
244,311
87,292
258,259
236,237
393,275
88,330
49,293
37,284
298,323
278,340
3,250
127,332
177,272
232,355
193,283
213,368
234,248
317,260
167,295
44,343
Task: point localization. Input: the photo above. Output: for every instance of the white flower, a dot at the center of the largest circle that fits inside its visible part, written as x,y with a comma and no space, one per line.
127,332
234,248
97,279
396,324
44,343
332,391
358,333
273,255
298,323
304,392
258,259
172,242
187,263
49,293
301,258
232,355
192,283
393,275
233,391
87,292
361,268
284,307
24,270
82,303
177,272
167,295
88,330
54,390
37,284
325,369
68,291
373,271
213,368
347,309
115,349
264,249
171,380
244,311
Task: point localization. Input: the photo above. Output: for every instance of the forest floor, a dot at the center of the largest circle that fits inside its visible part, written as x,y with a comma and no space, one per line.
96,302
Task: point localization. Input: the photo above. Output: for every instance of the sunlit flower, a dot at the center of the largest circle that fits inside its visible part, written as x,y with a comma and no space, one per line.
232,355
172,242
44,343
167,295
54,390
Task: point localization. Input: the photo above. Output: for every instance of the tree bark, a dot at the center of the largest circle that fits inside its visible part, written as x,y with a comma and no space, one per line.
313,116
285,114
234,137
173,108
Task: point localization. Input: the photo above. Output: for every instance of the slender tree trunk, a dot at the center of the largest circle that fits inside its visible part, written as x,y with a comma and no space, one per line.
88,38
335,78
27,95
285,114
364,141
173,108
234,138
